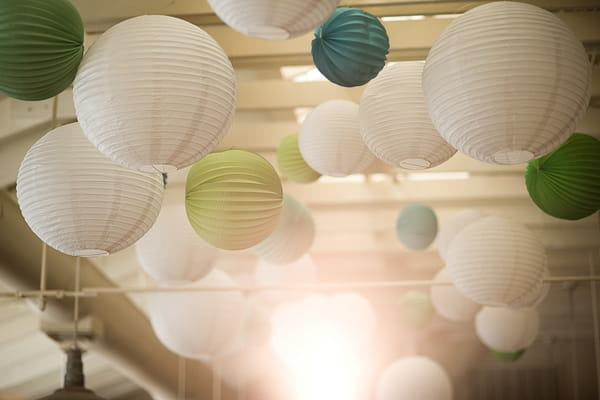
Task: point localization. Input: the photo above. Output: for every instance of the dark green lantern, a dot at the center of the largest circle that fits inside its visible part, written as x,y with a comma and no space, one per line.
351,47
566,182
41,46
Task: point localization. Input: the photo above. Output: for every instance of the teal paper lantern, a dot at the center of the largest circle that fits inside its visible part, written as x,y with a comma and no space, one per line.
566,182
41,46
416,226
350,48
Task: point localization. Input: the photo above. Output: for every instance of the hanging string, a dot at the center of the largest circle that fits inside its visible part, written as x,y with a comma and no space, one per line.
42,298
76,302
181,375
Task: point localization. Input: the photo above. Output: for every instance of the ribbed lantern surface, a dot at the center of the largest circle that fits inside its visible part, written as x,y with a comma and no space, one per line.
273,19
394,120
330,141
155,93
496,262
450,228
41,45
233,199
171,251
293,236
507,330
507,82
449,302
80,202
291,164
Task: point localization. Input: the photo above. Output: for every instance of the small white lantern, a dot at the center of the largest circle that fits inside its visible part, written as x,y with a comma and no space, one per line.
273,19
196,324
414,378
394,120
452,226
449,302
496,262
507,330
171,251
330,140
301,271
507,82
155,93
293,236
80,202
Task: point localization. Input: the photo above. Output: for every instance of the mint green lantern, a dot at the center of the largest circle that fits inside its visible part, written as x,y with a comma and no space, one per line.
416,226
566,182
233,199
41,46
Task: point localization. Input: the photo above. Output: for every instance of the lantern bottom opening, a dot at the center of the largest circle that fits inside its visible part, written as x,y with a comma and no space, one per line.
414,163
158,168
510,156
90,253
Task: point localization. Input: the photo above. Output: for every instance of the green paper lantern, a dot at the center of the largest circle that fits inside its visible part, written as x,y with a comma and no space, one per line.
507,356
233,199
41,46
416,226
416,308
351,47
566,182
291,164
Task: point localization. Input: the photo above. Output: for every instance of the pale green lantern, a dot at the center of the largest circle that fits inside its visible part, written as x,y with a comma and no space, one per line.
233,199
291,164
416,309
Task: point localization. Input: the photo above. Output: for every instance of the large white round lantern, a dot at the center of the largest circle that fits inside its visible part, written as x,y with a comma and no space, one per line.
197,324
293,236
449,302
414,378
299,272
273,19
507,82
171,251
535,297
452,226
507,330
330,140
155,93
496,262
394,120
80,202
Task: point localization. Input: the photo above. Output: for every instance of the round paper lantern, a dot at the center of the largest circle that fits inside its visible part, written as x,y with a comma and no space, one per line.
416,309
81,203
507,330
301,271
414,378
155,93
40,49
506,82
449,302
506,356
394,121
171,251
293,236
330,140
416,226
291,164
536,296
233,199
496,262
351,47
198,324
273,19
452,226
566,182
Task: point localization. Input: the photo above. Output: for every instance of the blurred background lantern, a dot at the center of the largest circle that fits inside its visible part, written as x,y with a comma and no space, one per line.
416,226
291,164
416,309
506,330
449,302
451,227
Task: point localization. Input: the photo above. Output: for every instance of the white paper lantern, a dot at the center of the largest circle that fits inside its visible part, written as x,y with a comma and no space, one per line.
507,82
414,378
293,236
301,271
171,251
273,19
496,262
330,140
536,296
452,226
81,203
394,121
198,325
155,93
449,302
507,330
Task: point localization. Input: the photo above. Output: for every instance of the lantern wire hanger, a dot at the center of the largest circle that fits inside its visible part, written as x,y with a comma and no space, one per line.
74,381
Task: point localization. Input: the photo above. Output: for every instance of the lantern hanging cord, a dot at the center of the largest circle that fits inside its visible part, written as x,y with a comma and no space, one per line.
96,291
